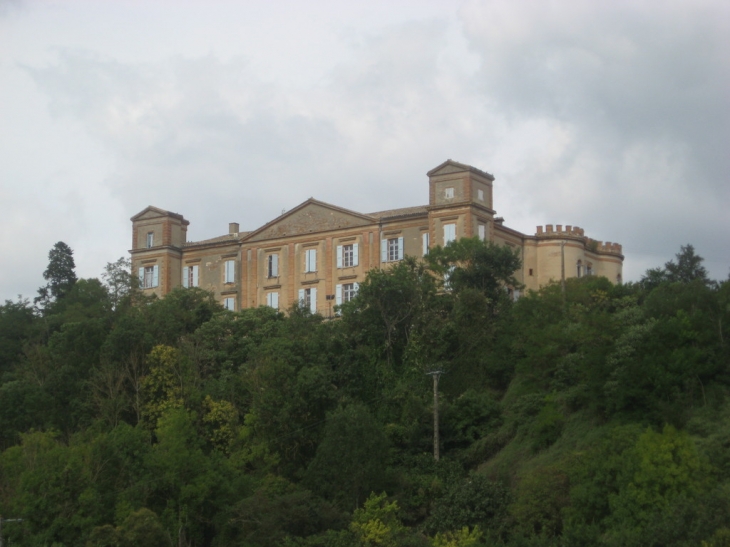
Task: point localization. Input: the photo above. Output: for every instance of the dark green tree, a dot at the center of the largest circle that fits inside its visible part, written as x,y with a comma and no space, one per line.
687,268
119,280
16,321
387,306
470,263
350,460
60,275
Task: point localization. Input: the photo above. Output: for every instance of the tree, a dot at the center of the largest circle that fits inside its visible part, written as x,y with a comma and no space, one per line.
387,304
16,322
470,263
687,268
119,280
60,275
349,463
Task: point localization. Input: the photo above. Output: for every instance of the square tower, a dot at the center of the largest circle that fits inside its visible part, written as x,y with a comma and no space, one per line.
157,240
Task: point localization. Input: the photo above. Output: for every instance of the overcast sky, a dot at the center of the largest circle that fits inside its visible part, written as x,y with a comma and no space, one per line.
611,116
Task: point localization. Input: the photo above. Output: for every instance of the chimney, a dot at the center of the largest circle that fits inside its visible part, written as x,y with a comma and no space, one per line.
233,227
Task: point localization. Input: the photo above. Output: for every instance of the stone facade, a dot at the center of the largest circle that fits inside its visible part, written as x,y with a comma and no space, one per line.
317,253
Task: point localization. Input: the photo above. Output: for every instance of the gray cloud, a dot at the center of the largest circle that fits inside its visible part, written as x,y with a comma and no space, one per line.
611,118
637,95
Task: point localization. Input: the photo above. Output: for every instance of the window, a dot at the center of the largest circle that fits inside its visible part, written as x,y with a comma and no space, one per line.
190,276
308,299
345,293
347,256
589,269
579,269
272,265
150,239
449,193
272,300
229,303
449,233
230,271
530,272
480,194
149,276
391,249
310,260
482,232
425,237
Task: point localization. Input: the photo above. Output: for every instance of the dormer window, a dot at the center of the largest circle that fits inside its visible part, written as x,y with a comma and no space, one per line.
449,193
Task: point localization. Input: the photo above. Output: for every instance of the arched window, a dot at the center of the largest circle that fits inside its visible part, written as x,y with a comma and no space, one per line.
579,267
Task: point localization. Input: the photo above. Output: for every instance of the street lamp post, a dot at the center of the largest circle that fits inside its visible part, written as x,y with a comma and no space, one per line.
435,374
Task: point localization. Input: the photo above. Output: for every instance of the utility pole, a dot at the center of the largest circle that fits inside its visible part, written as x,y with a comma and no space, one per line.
1,527
435,374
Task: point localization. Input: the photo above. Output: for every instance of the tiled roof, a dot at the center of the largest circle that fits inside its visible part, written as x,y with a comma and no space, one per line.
403,212
220,239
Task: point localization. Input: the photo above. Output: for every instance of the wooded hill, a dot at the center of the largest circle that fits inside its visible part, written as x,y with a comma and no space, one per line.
593,415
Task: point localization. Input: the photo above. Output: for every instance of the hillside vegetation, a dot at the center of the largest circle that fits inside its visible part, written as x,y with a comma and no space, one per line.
589,414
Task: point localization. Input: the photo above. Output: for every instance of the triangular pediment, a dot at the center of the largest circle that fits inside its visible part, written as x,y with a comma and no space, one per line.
150,212
312,216
450,166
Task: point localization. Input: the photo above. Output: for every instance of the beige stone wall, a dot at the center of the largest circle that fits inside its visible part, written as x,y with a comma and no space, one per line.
211,269
530,265
316,225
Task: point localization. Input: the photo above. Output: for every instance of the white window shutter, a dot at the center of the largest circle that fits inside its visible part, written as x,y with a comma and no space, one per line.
195,276
301,297
141,277
383,250
275,300
338,295
357,287
400,248
313,300
425,243
339,256
449,233
310,260
482,232
186,271
155,275
355,255
275,265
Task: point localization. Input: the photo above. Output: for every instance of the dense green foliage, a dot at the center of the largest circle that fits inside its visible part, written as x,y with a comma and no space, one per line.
595,417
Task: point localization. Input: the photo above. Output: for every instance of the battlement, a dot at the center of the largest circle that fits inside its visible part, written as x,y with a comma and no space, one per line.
559,231
574,232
